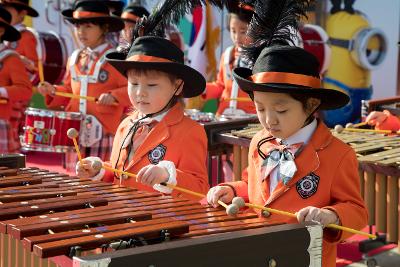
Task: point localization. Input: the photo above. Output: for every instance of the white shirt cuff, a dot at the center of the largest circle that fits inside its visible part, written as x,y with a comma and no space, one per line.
170,166
3,92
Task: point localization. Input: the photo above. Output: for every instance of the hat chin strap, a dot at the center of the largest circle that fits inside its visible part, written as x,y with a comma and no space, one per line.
308,119
168,105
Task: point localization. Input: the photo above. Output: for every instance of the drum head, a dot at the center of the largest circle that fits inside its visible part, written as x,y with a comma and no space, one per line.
314,40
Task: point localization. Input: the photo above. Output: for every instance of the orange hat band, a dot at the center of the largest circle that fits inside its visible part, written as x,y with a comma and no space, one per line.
130,16
144,58
246,7
87,14
285,77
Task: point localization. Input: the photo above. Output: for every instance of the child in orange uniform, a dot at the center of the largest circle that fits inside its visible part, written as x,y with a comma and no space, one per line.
157,142
14,84
26,46
225,88
295,163
89,74
383,120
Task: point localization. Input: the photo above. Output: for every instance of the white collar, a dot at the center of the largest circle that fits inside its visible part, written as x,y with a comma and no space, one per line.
2,46
301,136
19,26
98,49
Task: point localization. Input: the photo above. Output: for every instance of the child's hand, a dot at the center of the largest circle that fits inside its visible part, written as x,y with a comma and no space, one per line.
152,174
376,118
87,170
46,88
220,192
106,99
323,216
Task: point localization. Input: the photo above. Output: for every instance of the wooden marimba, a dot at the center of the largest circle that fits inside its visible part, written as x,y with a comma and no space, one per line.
51,219
379,171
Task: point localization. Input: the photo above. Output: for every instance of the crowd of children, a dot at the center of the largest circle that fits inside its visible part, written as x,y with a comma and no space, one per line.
295,163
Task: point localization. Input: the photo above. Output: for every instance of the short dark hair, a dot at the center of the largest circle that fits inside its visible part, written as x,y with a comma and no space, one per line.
102,25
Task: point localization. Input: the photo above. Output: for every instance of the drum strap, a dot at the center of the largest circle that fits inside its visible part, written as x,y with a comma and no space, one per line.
85,79
228,76
6,53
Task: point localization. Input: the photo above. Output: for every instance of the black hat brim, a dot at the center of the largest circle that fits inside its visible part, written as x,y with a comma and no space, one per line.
194,82
11,34
115,23
330,98
30,11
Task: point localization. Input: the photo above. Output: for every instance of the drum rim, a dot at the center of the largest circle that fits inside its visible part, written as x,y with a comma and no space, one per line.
39,112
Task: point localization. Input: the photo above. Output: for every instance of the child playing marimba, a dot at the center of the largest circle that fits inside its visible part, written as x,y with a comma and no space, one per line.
295,163
90,75
157,142
14,84
232,100
383,120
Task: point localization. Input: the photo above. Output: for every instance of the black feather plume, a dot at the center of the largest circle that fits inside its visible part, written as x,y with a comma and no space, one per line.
274,22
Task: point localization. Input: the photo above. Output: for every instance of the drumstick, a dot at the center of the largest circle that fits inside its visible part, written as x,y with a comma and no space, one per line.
72,133
40,70
238,201
88,98
230,209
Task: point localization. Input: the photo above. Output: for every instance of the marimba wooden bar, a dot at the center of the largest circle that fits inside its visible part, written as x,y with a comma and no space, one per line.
77,220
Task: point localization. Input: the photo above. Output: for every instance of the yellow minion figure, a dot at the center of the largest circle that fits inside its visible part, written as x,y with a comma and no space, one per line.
357,48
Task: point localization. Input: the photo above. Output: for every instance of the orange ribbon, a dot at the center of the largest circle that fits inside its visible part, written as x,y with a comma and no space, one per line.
130,16
285,77
87,14
144,58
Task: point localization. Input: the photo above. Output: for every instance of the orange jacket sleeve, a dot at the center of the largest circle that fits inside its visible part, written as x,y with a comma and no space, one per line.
391,123
20,88
346,198
191,169
215,89
28,46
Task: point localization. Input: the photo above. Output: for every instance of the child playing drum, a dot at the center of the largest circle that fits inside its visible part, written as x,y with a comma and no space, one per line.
14,84
89,75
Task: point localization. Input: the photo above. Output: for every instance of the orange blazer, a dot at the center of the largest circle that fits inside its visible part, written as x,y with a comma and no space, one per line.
109,81
338,186
222,88
184,142
26,46
15,79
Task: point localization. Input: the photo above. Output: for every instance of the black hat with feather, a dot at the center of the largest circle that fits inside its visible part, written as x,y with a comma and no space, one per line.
282,68
150,50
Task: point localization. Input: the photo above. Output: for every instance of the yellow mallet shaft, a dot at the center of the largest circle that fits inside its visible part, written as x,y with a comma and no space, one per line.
289,214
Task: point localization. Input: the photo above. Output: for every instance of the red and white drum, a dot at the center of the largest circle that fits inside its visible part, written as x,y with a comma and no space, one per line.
52,51
314,39
46,130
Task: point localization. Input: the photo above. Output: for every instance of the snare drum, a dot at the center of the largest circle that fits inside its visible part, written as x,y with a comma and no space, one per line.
46,130
53,52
